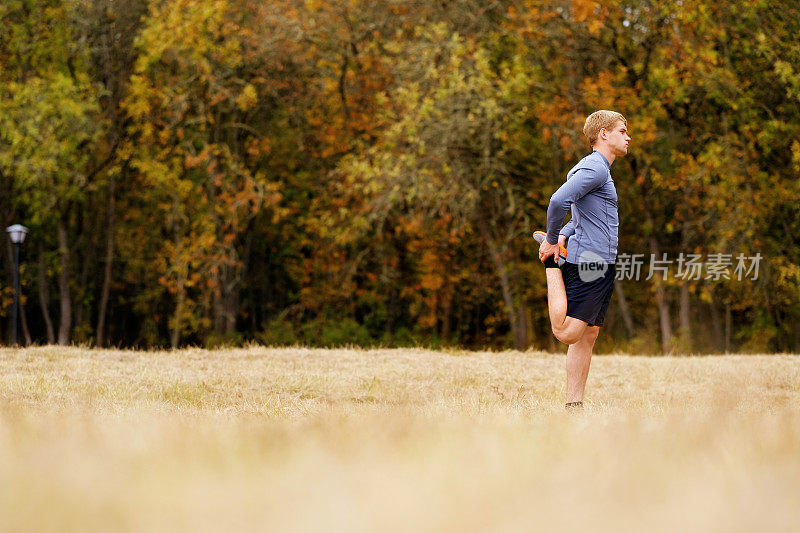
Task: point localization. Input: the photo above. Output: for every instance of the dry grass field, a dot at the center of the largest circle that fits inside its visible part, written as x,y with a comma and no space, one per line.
395,440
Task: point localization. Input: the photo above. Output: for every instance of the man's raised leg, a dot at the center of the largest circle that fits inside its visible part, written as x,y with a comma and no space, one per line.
567,329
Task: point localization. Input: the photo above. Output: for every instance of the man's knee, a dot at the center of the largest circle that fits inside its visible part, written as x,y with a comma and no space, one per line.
590,335
567,336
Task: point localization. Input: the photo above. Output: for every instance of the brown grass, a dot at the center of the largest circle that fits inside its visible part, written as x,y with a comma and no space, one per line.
394,440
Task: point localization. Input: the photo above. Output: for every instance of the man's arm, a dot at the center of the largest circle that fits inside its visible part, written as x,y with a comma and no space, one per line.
584,181
568,230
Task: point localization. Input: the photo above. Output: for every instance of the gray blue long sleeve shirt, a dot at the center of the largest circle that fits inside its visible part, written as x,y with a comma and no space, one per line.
594,226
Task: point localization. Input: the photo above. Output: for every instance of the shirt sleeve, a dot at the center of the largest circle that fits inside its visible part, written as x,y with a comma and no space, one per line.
569,229
582,182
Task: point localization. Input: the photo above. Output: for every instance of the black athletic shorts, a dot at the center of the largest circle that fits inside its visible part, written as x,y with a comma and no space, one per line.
589,288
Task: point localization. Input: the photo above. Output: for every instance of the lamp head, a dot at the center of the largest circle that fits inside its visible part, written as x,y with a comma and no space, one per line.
17,233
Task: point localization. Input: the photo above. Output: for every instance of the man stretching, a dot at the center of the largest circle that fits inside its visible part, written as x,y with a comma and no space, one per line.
580,273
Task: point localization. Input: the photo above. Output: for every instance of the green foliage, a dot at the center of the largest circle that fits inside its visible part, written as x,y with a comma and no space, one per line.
46,127
320,333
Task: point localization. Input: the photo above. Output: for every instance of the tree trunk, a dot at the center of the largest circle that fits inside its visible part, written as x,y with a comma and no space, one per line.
728,327
24,321
661,303
225,301
447,315
44,299
183,275
79,305
231,298
685,312
63,284
513,314
719,341
175,334
685,317
529,326
508,299
522,341
101,319
624,310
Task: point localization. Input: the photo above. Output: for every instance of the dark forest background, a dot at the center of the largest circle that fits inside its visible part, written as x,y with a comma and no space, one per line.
369,172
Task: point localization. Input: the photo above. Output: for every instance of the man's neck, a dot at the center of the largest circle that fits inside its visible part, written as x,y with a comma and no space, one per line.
607,153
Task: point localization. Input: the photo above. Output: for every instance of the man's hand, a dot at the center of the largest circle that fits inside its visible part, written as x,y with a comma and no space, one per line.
546,249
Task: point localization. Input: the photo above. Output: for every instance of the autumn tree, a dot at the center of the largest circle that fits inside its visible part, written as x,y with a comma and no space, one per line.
53,134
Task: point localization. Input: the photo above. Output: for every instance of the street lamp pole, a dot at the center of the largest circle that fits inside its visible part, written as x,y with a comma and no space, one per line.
15,311
17,233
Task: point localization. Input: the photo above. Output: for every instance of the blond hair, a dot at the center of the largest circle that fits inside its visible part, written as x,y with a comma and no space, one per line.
599,120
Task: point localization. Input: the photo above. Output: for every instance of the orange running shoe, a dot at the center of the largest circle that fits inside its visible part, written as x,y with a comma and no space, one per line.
539,236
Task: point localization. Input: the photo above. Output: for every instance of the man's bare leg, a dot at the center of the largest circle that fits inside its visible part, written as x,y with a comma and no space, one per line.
579,356
556,297
567,329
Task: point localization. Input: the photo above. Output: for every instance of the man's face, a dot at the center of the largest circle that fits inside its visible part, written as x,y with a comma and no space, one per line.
617,138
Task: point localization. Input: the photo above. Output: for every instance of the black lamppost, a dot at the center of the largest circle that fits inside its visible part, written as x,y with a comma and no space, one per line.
17,233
